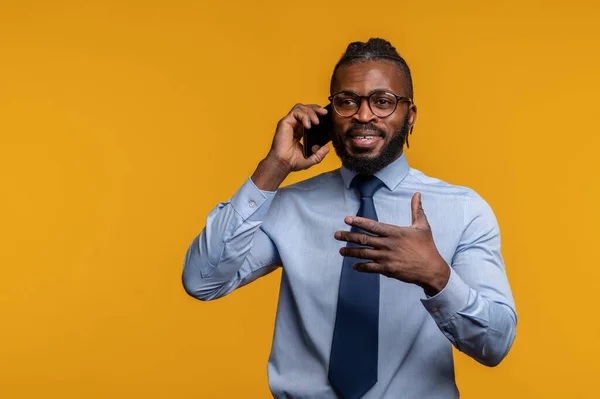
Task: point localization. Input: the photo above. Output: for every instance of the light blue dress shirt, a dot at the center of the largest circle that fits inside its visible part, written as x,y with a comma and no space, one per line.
257,231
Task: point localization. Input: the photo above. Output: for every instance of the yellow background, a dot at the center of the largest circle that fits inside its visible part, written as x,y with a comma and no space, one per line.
123,123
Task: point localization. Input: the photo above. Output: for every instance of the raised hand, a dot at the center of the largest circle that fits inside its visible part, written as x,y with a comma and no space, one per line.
286,153
407,253
286,145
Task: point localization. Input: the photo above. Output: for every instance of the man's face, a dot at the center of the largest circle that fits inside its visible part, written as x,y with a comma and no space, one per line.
386,135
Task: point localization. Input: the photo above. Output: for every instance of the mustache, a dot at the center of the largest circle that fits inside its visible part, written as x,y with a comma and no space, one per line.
362,127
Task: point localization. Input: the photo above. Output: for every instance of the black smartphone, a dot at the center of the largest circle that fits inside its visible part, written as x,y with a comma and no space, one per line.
318,134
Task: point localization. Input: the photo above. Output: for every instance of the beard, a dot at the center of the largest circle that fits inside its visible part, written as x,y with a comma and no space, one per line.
365,165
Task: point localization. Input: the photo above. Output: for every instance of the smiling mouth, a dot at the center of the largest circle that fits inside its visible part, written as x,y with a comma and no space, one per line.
365,137
364,133
365,142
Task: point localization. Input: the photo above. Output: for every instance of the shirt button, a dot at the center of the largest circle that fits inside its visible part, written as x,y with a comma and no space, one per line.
252,204
434,310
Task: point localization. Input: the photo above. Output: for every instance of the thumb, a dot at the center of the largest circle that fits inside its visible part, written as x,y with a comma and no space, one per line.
314,159
418,215
318,156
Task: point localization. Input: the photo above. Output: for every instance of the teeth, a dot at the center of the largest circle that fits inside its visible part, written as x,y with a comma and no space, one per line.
365,137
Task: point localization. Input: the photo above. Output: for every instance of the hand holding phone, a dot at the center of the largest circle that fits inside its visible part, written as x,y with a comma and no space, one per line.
318,135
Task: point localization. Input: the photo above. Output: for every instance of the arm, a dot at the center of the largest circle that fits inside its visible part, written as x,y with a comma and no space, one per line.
471,301
475,310
232,250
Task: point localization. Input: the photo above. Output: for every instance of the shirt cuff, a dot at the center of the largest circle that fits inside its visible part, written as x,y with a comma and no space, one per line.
448,301
251,203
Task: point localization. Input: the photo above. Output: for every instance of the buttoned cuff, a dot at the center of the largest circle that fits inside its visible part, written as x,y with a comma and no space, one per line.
251,203
448,301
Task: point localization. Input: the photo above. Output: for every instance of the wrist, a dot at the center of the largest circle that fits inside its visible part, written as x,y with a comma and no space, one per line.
438,279
270,173
278,163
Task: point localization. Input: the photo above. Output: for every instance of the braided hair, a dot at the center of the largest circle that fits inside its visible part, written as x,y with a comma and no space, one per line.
375,49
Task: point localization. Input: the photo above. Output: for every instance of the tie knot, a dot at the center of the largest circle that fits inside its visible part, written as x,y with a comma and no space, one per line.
366,185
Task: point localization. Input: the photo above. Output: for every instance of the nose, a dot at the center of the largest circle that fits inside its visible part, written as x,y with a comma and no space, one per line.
364,113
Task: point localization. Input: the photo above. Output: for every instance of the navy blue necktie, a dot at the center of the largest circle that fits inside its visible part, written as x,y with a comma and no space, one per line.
353,361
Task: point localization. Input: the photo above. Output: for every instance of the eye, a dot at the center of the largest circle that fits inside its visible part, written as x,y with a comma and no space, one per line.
382,101
346,102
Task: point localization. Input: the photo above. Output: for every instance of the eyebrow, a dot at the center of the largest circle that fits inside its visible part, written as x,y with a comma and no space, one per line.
369,93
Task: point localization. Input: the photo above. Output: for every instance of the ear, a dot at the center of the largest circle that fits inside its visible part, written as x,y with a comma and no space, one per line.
412,115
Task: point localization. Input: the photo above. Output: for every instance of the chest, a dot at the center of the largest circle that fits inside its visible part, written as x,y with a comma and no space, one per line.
310,256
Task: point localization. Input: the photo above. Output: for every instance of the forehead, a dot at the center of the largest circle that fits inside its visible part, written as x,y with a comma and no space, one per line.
365,77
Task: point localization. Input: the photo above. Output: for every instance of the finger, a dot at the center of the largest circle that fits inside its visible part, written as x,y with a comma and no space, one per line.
314,159
318,109
359,238
294,121
418,214
368,267
311,110
361,253
300,122
302,118
314,117
370,225
298,130
415,205
306,122
317,157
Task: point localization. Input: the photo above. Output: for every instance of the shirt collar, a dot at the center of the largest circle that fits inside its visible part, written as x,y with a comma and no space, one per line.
391,175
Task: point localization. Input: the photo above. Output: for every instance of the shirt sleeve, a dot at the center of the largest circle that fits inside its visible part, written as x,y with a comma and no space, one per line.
476,310
232,250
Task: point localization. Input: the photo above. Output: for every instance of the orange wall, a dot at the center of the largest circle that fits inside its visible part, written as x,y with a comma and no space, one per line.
124,123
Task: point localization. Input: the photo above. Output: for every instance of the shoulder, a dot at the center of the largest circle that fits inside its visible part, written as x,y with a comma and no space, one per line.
473,203
417,178
306,195
315,184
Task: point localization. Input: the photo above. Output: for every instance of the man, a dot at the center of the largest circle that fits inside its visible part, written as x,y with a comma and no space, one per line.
370,312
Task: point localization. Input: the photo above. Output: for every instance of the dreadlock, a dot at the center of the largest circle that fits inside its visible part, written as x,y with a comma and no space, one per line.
374,50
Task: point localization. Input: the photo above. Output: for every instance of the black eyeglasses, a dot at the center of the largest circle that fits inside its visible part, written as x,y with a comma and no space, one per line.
382,103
